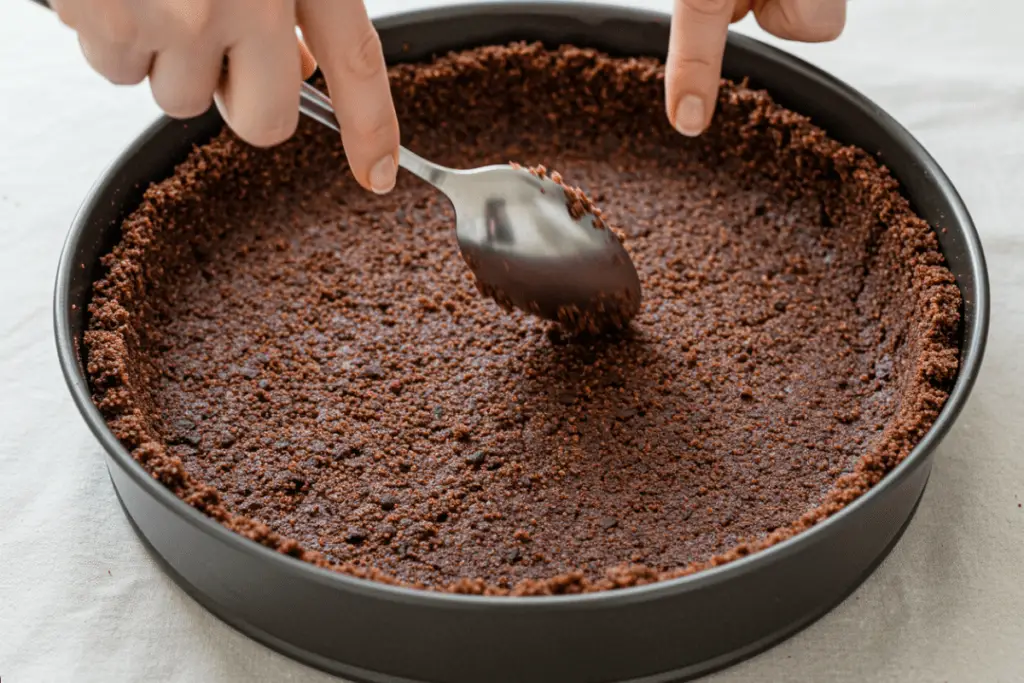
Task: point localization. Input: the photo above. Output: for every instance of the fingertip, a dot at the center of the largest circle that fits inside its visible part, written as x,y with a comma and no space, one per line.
255,127
118,65
383,175
307,60
372,152
352,60
264,133
690,117
740,10
826,33
691,96
370,132
184,109
699,32
183,81
218,101
259,94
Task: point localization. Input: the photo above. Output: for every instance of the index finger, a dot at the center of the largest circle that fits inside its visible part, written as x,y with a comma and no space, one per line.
694,65
344,41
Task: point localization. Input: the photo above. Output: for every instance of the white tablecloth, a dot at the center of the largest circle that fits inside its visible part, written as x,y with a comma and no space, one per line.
81,601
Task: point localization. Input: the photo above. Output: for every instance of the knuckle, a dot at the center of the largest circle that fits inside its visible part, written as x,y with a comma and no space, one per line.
690,63
195,18
366,57
115,26
114,65
710,8
273,14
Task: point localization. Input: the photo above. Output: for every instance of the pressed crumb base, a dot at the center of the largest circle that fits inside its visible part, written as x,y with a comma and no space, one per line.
311,366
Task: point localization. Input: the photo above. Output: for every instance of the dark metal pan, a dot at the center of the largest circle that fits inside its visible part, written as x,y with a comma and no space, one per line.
667,631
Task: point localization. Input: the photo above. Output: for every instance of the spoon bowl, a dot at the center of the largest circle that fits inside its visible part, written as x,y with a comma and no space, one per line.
524,246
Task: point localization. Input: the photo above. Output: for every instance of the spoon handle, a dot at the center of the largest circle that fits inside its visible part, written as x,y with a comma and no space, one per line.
434,174
317,106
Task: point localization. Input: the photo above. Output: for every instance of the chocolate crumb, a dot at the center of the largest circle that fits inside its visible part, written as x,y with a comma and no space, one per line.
373,370
356,536
717,414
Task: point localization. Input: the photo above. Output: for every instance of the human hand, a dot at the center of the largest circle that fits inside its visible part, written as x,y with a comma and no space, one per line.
181,45
699,30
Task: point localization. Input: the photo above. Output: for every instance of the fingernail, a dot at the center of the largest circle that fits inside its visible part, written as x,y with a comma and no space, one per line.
222,107
690,116
382,175
827,16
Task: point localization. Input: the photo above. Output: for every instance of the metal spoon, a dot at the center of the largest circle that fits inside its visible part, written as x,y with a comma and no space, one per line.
516,234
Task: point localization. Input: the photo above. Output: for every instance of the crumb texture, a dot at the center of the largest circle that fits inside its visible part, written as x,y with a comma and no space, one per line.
311,366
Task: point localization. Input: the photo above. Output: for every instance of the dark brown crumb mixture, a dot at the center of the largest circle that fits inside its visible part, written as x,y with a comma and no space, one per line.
309,363
607,313
576,200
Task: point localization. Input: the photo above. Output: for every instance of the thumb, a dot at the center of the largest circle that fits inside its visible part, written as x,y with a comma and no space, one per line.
809,21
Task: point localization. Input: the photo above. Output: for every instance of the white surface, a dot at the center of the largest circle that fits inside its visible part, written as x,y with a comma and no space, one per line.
81,601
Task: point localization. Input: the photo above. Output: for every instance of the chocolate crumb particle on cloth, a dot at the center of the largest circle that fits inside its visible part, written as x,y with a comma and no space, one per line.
309,365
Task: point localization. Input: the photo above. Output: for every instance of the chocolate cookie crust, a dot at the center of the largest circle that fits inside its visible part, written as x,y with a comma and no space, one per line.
310,365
